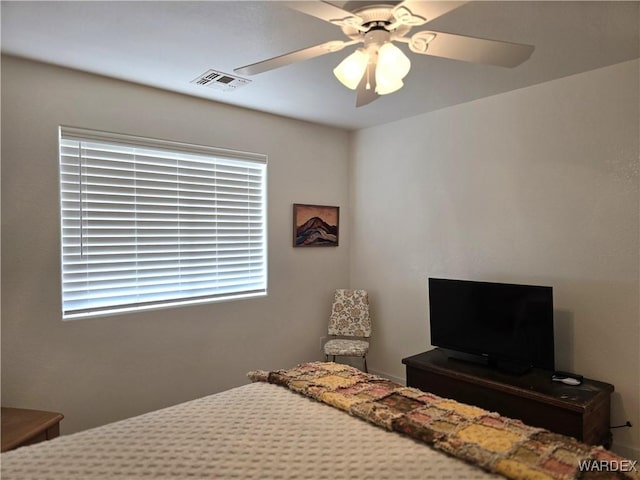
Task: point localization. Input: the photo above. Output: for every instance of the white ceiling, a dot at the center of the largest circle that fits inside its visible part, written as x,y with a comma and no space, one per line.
167,44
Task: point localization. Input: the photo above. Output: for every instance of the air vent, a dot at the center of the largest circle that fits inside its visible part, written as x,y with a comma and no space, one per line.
220,81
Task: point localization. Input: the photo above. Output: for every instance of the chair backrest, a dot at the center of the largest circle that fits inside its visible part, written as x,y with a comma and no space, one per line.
350,314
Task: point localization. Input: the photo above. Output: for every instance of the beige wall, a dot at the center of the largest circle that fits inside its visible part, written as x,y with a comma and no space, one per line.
99,370
539,186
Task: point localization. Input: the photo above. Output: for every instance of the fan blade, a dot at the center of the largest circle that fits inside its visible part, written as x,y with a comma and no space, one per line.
476,50
427,10
325,11
366,95
297,56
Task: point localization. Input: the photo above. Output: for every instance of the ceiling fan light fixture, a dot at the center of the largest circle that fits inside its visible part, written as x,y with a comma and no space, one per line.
388,86
352,68
392,62
392,66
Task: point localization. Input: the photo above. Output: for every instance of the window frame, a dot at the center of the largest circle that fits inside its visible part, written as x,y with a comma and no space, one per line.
255,161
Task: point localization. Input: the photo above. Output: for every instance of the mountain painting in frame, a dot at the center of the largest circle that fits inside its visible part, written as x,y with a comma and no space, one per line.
315,225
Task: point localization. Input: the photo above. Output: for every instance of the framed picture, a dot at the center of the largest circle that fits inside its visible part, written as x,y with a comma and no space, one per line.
315,225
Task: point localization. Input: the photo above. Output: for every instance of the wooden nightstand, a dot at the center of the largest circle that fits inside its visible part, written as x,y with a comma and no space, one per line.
23,427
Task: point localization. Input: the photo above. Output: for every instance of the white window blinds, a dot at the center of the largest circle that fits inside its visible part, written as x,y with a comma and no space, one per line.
148,223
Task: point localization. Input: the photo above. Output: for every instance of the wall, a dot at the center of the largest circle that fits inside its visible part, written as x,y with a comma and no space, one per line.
98,370
536,186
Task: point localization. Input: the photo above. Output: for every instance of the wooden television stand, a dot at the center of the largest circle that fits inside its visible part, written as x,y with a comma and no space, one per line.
579,411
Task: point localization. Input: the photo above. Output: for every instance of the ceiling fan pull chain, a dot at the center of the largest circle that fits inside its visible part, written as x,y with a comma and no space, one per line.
368,86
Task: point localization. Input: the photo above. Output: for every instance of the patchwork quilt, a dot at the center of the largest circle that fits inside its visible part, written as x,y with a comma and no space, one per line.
497,444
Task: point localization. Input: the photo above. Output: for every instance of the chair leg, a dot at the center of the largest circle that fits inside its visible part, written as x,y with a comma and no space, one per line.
326,358
365,364
334,358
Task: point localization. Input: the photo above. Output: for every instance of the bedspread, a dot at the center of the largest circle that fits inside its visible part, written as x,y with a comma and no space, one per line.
254,432
488,440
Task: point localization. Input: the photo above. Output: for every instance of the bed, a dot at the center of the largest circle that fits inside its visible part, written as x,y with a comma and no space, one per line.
288,424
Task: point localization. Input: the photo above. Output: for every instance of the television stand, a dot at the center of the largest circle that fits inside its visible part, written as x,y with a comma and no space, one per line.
579,411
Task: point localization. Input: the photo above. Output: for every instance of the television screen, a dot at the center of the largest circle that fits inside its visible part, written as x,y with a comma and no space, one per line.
506,324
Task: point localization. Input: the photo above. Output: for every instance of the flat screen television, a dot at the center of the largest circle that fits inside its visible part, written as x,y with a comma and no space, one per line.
503,325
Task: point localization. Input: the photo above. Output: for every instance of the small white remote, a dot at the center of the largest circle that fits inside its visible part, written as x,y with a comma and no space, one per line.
566,380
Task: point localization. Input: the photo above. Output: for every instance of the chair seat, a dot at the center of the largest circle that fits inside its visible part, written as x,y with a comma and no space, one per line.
351,348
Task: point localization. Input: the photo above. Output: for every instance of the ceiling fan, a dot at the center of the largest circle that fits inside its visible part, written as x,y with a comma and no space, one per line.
378,66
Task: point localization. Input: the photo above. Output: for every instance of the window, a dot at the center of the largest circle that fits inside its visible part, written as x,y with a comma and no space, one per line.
149,223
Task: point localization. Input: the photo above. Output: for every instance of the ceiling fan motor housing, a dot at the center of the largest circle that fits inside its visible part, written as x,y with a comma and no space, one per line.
374,17
376,37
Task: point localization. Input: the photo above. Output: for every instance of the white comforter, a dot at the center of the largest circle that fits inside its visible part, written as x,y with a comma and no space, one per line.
258,431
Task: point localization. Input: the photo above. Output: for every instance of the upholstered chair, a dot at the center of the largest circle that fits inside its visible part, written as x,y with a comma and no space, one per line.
349,318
